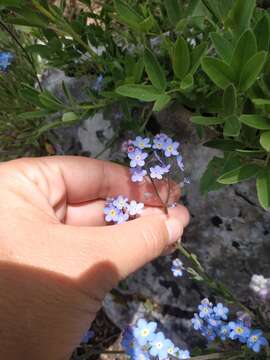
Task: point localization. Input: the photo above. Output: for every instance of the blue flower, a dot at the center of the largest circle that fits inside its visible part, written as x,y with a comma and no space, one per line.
135,208
111,212
205,309
159,346
142,143
177,268
157,171
120,202
159,141
122,217
224,332
197,322
180,162
137,174
131,346
137,158
170,147
221,311
213,322
144,331
5,60
238,331
209,333
184,354
256,340
97,86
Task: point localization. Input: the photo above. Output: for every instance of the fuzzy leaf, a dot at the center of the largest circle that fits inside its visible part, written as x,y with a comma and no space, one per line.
232,126
265,140
256,121
263,188
239,174
252,69
154,71
229,100
139,92
207,121
222,46
218,71
181,58
161,102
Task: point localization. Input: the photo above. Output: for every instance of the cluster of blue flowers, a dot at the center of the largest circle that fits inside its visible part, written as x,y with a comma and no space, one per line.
142,342
151,157
118,210
5,60
177,268
212,322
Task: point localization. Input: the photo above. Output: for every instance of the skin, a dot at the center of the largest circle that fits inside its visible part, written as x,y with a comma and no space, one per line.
58,259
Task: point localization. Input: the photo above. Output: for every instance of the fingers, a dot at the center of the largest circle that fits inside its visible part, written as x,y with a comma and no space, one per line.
86,214
85,179
130,245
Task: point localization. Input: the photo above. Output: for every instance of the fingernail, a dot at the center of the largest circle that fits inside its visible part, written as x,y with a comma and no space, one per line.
174,229
170,249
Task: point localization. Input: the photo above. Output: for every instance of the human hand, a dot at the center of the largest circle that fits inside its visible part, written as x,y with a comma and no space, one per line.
57,259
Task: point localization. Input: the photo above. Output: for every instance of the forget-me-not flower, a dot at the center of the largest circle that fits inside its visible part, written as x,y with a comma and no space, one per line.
144,331
256,340
238,331
159,346
142,143
137,158
221,311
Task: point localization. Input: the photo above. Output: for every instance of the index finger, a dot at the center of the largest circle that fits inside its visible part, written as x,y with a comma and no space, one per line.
88,179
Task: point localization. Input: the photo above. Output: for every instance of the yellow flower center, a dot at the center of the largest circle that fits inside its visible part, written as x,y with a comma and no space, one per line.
170,351
145,332
239,330
170,148
113,212
141,144
159,345
254,338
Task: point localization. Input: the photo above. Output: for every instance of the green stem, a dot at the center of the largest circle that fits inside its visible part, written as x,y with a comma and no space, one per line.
5,27
267,160
158,195
211,282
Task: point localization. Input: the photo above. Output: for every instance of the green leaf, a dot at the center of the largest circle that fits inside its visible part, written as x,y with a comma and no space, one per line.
223,46
181,58
161,102
218,71
261,102
33,114
154,71
196,55
11,3
229,100
138,70
239,174
256,121
232,126
127,14
265,140
147,24
245,49
262,33
187,82
69,116
252,69
207,121
224,144
50,102
263,188
240,15
139,92
173,11
216,167
213,8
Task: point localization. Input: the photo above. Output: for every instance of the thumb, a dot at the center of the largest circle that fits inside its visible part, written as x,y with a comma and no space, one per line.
135,243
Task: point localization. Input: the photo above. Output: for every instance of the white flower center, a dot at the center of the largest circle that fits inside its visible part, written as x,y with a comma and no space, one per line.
254,338
145,332
159,345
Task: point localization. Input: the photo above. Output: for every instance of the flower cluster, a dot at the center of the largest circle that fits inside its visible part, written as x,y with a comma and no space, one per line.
212,322
142,342
151,156
260,286
177,268
5,60
118,210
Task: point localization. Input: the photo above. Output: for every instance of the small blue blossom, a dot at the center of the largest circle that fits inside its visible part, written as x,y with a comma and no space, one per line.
112,213
214,323
137,158
180,162
159,346
5,60
238,331
120,202
132,347
159,141
157,171
144,331
256,340
224,332
209,333
221,311
177,268
197,322
137,174
205,309
97,86
142,143
170,147
135,208
122,217
184,354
